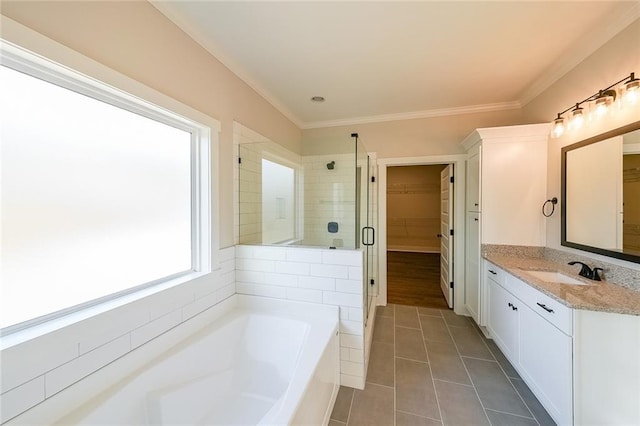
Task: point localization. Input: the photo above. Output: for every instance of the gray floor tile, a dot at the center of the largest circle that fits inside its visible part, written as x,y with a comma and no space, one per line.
409,344
385,311
434,329
482,335
460,405
414,389
372,406
407,316
381,370
494,389
429,311
503,419
406,419
336,423
502,360
343,404
470,343
539,412
446,363
451,318
383,330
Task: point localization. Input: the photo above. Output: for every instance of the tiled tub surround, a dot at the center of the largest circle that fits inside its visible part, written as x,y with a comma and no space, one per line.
330,277
249,360
35,368
619,293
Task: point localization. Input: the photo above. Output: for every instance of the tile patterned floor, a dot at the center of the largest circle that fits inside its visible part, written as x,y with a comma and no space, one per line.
433,367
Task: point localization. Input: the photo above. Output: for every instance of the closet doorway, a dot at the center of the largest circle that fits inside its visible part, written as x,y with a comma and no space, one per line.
419,247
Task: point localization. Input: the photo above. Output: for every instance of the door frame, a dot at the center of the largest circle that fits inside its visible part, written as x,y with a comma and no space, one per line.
459,190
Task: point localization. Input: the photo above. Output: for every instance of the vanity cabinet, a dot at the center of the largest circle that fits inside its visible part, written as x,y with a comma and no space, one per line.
505,187
531,332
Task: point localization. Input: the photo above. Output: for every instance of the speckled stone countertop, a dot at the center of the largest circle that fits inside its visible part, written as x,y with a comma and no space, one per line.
596,296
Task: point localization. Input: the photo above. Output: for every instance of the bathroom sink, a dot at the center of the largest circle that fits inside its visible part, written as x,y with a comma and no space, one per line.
555,277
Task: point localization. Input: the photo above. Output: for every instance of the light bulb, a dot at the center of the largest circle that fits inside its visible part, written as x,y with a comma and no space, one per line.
631,90
577,118
603,102
631,95
601,106
558,127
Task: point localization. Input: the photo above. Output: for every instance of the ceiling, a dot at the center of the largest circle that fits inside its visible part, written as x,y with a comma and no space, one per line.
376,60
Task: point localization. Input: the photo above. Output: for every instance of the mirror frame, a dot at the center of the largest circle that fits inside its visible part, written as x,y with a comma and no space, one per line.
563,207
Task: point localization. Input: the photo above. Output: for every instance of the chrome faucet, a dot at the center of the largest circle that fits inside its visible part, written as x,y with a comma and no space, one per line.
587,272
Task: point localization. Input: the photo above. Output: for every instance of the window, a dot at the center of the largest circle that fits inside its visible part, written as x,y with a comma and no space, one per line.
278,202
102,193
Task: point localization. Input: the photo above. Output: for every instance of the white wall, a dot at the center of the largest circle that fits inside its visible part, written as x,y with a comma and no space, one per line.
409,138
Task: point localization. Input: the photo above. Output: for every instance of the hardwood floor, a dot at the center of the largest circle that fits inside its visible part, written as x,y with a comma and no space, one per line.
414,279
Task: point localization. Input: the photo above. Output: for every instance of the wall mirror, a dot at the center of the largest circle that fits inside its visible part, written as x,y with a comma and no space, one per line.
600,204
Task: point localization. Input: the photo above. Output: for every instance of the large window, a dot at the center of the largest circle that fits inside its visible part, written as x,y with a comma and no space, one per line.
100,192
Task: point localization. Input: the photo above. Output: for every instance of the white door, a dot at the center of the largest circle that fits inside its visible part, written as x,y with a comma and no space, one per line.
446,240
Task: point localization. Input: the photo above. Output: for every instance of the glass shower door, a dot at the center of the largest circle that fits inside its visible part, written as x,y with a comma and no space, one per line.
365,230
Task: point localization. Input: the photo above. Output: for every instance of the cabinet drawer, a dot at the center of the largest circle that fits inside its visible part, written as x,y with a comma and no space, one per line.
547,307
553,311
495,273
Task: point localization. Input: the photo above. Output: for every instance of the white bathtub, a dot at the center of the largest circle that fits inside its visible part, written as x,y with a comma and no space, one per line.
263,361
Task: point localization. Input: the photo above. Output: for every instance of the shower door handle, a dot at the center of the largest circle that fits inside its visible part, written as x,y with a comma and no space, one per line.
373,236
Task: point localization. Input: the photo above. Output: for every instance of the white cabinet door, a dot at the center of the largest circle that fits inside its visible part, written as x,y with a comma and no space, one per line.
514,186
546,364
473,183
503,319
472,266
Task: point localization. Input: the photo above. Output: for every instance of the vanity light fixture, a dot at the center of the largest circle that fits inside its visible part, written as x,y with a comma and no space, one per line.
599,104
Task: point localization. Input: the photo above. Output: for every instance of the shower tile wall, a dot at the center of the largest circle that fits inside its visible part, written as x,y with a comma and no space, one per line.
250,196
330,277
83,347
329,196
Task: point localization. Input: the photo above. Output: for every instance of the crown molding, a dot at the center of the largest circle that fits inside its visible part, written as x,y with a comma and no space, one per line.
577,53
199,38
229,63
430,113
580,51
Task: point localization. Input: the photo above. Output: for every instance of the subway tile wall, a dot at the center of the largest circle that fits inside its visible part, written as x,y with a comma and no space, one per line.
331,277
329,196
250,195
39,368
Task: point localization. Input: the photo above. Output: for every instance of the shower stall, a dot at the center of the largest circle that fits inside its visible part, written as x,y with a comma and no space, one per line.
323,198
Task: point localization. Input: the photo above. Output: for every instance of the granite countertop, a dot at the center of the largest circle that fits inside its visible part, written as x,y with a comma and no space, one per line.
595,296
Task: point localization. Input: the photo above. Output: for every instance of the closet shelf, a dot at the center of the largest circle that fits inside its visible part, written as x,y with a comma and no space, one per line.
413,188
